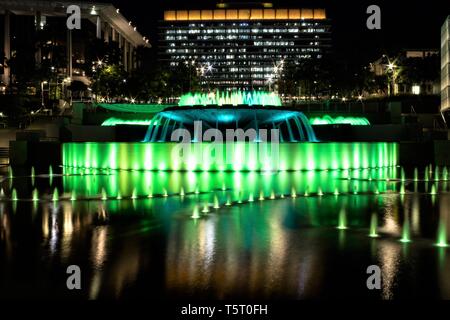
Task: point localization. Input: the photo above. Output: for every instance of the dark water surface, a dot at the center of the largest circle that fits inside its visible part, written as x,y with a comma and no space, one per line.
158,235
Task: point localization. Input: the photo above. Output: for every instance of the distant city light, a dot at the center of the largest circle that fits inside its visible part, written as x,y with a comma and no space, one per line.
416,89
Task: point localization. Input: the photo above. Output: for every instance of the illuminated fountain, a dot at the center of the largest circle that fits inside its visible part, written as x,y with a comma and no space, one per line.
233,98
354,121
296,146
293,126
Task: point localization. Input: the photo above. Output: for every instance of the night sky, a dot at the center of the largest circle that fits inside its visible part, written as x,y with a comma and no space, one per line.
405,24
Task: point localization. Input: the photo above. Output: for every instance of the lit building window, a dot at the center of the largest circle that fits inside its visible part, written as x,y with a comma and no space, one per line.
415,89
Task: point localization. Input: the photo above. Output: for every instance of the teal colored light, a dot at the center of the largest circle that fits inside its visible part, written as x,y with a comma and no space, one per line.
226,118
111,122
235,98
354,121
238,156
134,108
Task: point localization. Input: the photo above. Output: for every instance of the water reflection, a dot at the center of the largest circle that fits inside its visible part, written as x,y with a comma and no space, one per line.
271,241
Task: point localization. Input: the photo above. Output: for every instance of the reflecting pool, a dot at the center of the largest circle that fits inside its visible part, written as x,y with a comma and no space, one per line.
295,235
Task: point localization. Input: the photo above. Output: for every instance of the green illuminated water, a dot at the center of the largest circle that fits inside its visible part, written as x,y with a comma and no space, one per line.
442,230
433,189
55,196
355,121
35,195
437,174
342,219
111,122
373,226
104,195
199,228
14,195
235,98
406,230
230,157
196,213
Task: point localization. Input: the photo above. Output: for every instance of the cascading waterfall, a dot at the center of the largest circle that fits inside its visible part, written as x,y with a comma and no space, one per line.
292,126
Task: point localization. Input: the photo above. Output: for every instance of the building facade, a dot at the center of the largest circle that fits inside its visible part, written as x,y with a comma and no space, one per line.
243,46
445,65
40,28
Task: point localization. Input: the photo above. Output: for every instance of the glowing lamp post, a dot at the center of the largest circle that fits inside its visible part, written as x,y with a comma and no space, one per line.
42,92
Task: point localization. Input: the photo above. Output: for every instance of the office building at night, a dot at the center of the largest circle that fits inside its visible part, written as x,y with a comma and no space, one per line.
243,46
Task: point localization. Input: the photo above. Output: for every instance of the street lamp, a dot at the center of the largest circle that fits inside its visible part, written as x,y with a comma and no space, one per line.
391,68
42,93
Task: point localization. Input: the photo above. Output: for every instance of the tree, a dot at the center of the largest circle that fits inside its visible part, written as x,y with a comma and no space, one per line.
109,81
308,77
184,78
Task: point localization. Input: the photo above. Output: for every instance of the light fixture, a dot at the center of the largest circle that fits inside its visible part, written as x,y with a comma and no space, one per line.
391,66
93,11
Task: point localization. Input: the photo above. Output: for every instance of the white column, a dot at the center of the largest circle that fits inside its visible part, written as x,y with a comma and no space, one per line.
7,48
106,33
120,40
113,35
99,28
130,57
125,55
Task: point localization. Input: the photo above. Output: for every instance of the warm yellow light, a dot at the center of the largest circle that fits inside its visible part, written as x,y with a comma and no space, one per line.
281,14
182,15
319,14
307,14
294,14
256,14
245,14
269,14
219,15
231,14
170,15
194,15
207,15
